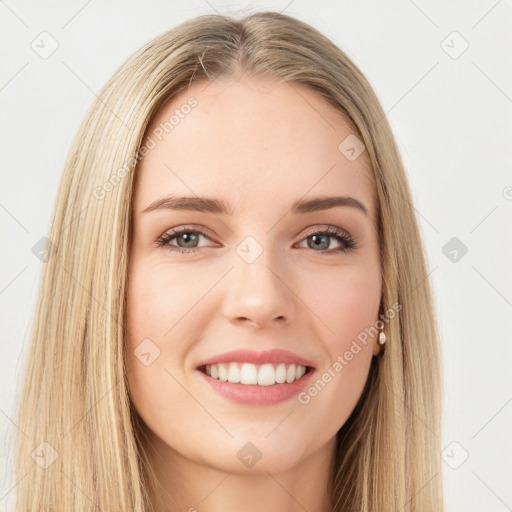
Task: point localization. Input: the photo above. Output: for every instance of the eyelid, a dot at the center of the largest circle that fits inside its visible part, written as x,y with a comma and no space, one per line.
203,231
325,227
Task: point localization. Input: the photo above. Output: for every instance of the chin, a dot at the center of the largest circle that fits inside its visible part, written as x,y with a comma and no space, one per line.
255,455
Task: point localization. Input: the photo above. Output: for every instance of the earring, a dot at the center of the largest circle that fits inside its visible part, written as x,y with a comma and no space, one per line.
382,338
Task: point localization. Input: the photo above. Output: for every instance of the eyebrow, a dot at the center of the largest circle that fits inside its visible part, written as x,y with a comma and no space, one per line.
217,206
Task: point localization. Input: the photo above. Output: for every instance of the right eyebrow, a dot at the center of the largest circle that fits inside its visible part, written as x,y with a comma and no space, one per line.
197,204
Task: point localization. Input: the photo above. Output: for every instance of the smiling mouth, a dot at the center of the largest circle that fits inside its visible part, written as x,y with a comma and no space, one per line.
267,374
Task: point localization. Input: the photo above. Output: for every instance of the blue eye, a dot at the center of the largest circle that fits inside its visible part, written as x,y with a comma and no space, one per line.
190,236
320,240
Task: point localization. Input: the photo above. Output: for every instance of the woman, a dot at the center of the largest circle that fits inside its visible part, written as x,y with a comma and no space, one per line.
235,313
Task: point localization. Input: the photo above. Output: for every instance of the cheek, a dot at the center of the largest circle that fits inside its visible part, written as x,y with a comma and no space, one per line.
341,379
148,315
346,302
163,311
146,312
158,300
154,307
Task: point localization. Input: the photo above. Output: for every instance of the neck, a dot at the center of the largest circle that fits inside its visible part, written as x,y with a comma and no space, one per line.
185,485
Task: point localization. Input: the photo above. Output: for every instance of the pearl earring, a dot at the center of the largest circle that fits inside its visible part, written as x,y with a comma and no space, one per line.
382,338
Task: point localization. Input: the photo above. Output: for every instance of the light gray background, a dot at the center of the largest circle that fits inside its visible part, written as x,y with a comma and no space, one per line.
450,112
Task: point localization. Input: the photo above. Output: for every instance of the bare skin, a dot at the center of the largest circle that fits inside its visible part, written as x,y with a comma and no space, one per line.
258,145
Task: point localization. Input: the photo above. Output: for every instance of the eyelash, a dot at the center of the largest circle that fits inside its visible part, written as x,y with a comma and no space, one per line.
340,236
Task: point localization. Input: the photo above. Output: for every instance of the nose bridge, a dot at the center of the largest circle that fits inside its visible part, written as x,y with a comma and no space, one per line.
258,289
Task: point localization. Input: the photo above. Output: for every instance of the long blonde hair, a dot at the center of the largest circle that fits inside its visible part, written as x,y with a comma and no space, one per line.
79,444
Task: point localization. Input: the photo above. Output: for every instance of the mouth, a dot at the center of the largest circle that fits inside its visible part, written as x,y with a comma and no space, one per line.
249,384
259,375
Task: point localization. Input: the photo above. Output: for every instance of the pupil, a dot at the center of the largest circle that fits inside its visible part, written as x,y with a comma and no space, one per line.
323,245
190,236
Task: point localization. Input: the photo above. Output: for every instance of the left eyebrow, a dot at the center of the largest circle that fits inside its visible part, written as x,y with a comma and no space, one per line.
217,206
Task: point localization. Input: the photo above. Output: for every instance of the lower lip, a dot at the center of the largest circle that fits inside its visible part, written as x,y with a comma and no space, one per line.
258,395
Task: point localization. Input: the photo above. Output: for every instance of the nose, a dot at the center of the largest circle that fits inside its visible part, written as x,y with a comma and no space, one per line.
259,295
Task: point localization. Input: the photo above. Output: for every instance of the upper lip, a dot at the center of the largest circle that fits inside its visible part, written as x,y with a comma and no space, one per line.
251,356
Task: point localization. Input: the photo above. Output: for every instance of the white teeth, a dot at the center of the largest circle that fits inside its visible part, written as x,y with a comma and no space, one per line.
281,374
223,374
266,374
233,373
248,374
291,373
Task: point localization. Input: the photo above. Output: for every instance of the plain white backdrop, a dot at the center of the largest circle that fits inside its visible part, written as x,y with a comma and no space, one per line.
443,75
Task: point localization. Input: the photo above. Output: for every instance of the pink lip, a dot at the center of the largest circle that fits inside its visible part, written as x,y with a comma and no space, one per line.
258,395
250,356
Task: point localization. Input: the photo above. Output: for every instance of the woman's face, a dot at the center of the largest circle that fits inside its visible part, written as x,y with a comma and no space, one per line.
259,276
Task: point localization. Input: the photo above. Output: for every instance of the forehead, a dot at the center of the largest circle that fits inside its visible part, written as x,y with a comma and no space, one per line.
254,142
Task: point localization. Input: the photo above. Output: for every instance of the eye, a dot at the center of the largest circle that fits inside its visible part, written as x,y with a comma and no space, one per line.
319,240
187,239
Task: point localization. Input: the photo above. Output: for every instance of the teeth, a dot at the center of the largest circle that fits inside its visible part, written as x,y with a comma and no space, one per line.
248,373
266,374
234,373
